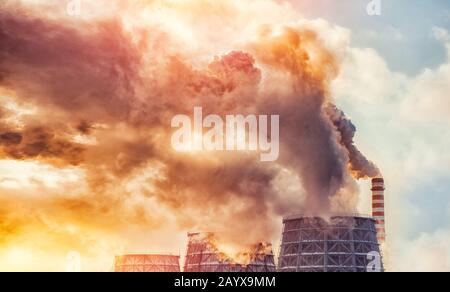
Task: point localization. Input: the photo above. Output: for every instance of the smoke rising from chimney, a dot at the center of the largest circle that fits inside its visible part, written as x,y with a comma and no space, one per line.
124,84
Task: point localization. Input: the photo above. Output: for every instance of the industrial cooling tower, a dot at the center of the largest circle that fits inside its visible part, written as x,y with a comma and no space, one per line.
204,256
338,244
147,263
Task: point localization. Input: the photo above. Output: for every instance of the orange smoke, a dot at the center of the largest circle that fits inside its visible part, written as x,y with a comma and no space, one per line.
105,87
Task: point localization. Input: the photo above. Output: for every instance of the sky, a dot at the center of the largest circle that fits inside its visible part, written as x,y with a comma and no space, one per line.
401,34
411,43
86,101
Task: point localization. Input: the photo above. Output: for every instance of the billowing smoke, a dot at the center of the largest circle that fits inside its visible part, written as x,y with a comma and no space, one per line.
40,142
359,165
105,92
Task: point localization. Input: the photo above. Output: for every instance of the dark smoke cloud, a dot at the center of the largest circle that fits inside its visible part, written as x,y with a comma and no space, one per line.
309,139
103,84
85,73
360,166
40,143
10,138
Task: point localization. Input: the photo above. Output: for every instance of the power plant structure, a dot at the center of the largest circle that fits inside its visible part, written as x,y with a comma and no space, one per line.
378,208
341,243
203,256
147,263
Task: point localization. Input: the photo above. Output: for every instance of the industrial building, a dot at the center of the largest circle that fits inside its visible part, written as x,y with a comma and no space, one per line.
147,263
203,256
341,243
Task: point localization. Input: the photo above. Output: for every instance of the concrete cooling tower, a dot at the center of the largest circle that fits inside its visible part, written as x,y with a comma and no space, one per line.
204,256
147,263
339,244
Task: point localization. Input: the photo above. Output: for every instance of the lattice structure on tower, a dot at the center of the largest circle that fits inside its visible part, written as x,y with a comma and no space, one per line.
147,263
204,256
338,244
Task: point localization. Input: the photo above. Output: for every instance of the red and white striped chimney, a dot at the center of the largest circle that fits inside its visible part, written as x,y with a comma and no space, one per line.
378,208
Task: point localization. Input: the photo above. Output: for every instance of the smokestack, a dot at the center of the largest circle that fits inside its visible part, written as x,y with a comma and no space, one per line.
378,208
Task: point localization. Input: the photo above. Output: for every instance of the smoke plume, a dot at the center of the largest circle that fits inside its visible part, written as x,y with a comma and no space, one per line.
105,90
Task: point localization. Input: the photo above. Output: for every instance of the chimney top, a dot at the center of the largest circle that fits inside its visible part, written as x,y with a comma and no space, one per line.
377,184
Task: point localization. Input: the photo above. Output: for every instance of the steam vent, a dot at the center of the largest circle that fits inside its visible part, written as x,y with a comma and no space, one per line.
340,244
147,263
204,256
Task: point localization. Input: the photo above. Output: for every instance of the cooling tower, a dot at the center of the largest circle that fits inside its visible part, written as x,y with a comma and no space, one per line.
147,263
204,256
340,244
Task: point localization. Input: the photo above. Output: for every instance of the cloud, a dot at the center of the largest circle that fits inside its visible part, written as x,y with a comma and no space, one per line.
50,72
405,121
111,81
427,94
427,252
105,88
390,34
